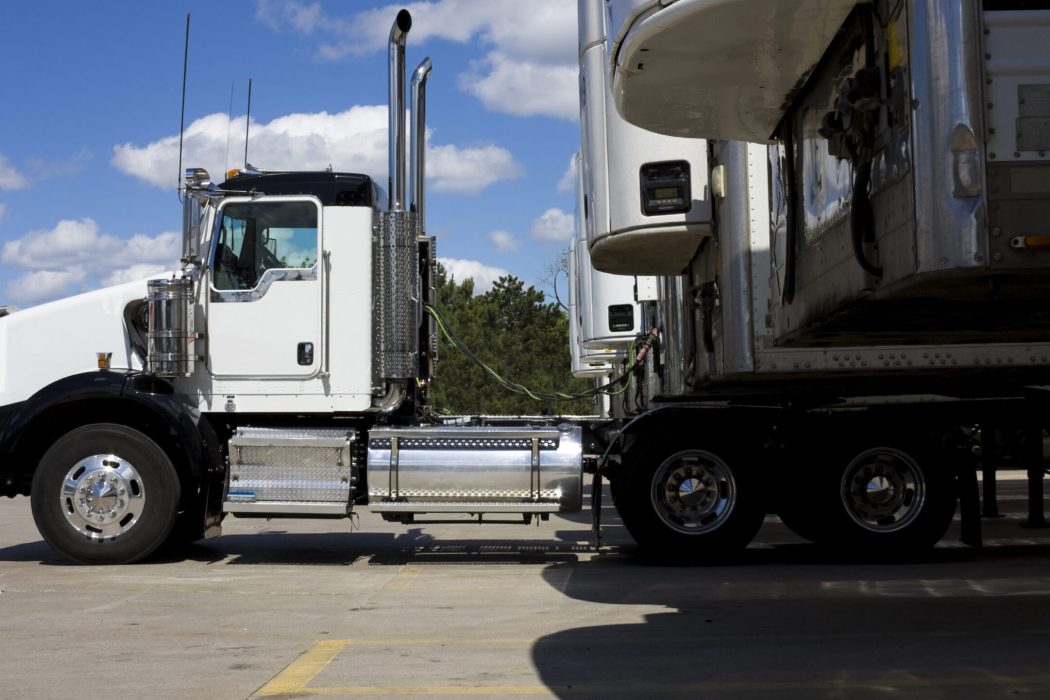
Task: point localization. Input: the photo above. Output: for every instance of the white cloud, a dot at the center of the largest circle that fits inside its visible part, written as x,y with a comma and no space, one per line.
537,30
42,169
483,275
354,140
41,285
469,170
303,18
134,272
522,88
10,178
504,241
3,210
567,183
75,252
79,243
530,69
553,225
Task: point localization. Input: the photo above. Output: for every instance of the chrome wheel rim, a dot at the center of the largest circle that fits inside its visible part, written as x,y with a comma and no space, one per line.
883,490
693,492
102,496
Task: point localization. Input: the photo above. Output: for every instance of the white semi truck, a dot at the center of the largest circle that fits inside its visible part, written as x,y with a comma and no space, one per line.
282,371
862,321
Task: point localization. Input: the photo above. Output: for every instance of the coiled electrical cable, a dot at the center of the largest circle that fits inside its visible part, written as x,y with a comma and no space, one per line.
611,388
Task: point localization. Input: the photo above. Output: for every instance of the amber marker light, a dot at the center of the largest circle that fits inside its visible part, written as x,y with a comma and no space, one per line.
104,359
1031,242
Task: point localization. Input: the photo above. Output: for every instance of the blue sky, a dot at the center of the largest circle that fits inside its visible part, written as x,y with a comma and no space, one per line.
89,118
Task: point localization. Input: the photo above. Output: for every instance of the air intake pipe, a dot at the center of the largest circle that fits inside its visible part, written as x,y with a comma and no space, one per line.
396,301
419,140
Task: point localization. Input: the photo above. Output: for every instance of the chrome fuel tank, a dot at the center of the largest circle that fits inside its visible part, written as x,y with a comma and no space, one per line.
475,469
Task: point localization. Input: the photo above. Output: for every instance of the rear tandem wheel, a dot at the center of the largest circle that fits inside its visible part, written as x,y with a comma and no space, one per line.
687,504
884,497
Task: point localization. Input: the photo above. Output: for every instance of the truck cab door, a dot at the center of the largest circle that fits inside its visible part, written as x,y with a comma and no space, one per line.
265,289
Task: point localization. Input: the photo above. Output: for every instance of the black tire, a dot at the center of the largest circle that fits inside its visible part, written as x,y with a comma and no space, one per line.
105,494
686,504
889,497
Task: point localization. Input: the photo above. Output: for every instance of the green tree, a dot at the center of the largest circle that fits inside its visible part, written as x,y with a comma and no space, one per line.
514,331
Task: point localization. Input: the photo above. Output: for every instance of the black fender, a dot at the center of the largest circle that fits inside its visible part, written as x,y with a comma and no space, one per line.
699,419
699,423
130,398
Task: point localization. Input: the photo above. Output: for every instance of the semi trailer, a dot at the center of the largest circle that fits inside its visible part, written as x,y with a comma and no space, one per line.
858,320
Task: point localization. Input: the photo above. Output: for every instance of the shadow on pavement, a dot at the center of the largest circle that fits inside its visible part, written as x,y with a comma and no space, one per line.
792,620
413,546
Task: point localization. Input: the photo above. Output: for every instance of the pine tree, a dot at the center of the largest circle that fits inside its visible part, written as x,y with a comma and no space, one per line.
514,331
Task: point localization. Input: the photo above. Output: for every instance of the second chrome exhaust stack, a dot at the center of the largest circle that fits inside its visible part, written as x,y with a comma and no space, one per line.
419,139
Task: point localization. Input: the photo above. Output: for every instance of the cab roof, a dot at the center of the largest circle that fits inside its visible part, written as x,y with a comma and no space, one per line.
333,189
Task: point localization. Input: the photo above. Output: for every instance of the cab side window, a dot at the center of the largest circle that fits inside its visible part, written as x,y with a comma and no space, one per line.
254,237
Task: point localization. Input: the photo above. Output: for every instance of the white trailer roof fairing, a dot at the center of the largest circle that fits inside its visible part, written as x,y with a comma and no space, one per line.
716,69
645,201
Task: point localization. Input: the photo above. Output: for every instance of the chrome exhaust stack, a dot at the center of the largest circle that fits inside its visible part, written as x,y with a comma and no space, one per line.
395,307
396,116
418,144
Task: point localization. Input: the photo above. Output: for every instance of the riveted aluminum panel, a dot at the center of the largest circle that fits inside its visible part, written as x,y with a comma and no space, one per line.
1017,85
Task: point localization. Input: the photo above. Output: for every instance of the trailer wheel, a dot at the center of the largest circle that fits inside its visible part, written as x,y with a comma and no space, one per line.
893,498
105,494
689,504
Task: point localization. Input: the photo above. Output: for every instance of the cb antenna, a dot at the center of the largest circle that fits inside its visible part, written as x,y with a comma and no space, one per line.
182,115
229,131
247,123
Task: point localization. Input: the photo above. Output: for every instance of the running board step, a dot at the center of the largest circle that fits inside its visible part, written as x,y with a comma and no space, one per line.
288,509
475,508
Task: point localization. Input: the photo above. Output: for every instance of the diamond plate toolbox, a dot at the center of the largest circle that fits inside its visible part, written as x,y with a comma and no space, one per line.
291,465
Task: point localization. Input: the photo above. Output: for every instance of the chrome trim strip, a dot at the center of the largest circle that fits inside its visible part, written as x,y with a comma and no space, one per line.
291,274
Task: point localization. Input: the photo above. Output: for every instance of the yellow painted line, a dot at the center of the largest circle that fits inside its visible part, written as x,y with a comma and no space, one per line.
511,641
643,689
405,578
296,675
452,690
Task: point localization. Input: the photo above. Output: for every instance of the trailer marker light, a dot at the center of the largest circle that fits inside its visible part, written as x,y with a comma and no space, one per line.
1030,241
104,359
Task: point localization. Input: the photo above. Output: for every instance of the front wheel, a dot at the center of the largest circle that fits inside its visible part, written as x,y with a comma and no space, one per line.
105,494
690,504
